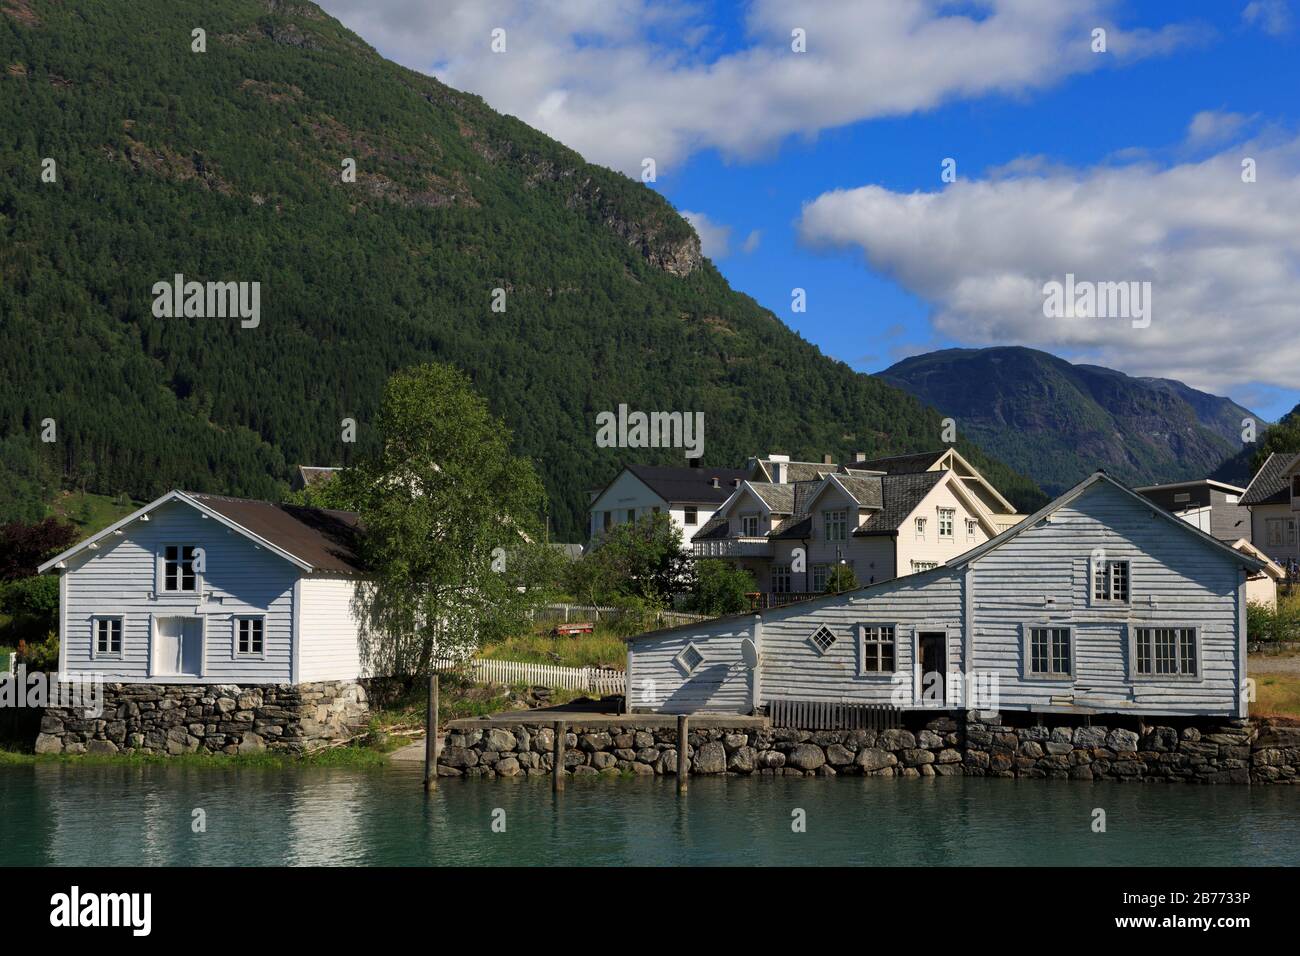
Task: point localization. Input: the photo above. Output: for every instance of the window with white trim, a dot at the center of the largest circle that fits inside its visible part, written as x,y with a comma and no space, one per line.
690,515
178,568
1166,652
947,518
972,529
250,636
918,566
1050,652
822,639
1110,581
877,648
749,526
1280,532
836,524
920,529
689,659
108,636
820,575
781,578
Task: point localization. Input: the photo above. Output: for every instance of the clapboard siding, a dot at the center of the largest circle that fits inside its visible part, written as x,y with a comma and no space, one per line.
119,578
721,683
1039,576
328,630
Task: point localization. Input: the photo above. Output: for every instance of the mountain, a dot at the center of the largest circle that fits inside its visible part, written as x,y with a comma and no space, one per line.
1059,422
1284,437
228,166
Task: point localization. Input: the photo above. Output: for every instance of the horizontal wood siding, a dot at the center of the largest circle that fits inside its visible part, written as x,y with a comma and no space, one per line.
1190,582
328,630
721,683
119,578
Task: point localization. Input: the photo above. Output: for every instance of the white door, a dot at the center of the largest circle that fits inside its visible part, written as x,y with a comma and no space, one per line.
178,647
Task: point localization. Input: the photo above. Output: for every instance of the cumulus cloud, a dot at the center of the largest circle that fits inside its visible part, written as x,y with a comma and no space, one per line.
751,241
1271,16
715,238
1214,127
621,80
1222,255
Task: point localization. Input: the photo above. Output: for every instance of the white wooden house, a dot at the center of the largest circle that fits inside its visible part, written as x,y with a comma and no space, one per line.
1101,602
1273,498
199,588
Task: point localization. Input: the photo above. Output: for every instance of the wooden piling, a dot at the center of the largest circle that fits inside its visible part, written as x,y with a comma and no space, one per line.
431,737
681,753
557,772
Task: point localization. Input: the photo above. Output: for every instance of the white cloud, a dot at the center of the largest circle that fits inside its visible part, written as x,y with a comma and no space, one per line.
621,80
1210,127
715,238
1271,16
1223,258
751,241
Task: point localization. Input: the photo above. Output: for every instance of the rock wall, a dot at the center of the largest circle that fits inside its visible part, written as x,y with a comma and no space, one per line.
170,719
1234,752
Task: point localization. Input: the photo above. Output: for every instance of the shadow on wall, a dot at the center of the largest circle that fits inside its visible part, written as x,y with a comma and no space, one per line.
697,692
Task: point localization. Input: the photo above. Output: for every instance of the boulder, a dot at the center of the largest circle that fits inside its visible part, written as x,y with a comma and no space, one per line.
1122,741
838,755
710,758
895,740
743,760
805,757
873,758
499,740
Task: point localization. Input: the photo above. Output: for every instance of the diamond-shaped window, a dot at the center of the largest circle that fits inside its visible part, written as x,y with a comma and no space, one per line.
689,659
823,639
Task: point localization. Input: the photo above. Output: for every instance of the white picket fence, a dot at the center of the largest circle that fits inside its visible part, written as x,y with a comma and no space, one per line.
595,680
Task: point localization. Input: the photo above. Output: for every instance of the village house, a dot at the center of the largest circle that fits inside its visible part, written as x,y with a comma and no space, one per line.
1213,506
790,523
1099,603
688,495
1273,498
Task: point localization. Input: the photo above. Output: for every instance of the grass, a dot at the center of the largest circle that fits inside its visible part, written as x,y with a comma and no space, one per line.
1277,685
90,513
604,648
5,652
457,699
356,756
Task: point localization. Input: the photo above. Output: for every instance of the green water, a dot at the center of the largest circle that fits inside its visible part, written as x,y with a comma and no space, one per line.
106,815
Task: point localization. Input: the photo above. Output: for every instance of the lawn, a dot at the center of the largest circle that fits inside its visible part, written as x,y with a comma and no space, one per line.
604,648
90,513
1277,685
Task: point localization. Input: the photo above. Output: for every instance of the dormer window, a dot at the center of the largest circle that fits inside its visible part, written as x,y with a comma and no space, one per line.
836,525
749,526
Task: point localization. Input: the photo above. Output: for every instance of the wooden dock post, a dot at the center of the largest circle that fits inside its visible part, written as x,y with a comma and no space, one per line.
431,737
681,753
557,771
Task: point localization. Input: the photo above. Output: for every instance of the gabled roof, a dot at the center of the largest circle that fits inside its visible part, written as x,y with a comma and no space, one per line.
316,540
794,471
914,580
309,475
900,494
1271,567
1195,482
1269,486
900,464
690,486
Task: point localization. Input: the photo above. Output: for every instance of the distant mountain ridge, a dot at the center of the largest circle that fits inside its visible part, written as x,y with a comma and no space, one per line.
1058,422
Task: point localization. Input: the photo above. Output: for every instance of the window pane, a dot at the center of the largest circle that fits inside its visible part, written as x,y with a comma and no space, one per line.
1119,581
1187,651
1143,645
1061,651
1038,646
1164,650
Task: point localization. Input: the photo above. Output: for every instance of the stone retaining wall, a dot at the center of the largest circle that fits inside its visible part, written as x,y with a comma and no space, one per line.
1232,751
172,719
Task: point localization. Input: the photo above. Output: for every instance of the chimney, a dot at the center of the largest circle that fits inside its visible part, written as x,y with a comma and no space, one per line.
826,460
735,482
859,456
716,483
780,468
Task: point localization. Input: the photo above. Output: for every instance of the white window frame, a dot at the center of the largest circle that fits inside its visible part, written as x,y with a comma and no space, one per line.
783,572
816,646
108,655
950,516
837,518
1027,651
1106,568
250,654
681,658
1178,675
161,583
919,525
877,642
749,525
920,566
690,515
825,571
972,529
203,645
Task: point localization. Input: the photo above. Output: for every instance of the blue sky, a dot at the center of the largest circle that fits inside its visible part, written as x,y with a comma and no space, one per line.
1115,166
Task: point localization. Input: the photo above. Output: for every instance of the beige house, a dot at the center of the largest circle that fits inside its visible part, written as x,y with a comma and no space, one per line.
1273,498
1261,585
883,518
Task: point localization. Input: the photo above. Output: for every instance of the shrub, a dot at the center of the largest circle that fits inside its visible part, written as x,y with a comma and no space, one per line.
43,656
721,588
840,579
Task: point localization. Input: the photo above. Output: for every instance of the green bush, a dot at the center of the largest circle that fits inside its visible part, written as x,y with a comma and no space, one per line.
33,606
721,588
840,579
43,656
1264,623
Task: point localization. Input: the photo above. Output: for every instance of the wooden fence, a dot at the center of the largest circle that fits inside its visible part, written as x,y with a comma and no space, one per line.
826,715
568,613
596,680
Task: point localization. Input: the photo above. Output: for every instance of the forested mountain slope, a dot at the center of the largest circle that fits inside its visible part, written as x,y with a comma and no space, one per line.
226,166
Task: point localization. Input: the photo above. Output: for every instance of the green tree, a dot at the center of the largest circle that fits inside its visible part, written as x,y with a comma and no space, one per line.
721,587
840,579
642,559
444,505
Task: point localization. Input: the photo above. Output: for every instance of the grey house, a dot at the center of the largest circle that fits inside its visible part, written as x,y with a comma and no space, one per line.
1213,506
1100,602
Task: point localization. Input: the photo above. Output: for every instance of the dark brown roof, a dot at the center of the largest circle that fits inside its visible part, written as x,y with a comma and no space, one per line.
901,494
899,464
327,540
689,485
